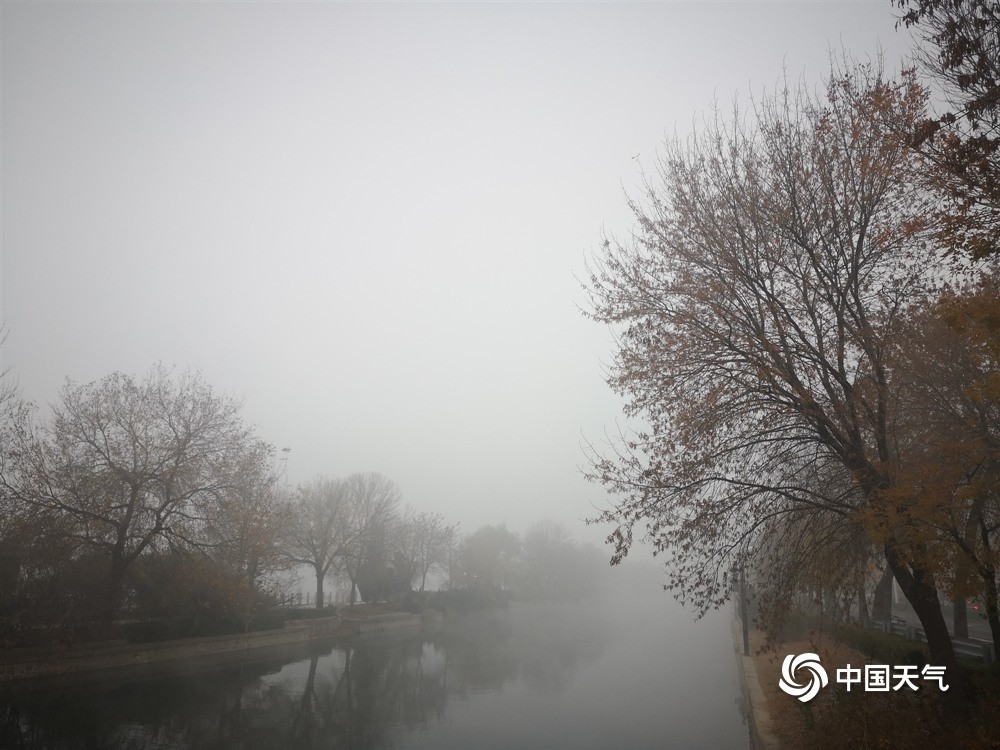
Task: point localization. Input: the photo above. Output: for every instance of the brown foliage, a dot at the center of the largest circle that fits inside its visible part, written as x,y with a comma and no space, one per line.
756,308
947,363
963,55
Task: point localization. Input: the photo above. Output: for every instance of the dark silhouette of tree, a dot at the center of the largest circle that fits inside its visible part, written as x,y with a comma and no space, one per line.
425,542
374,501
319,529
487,560
127,464
341,525
242,530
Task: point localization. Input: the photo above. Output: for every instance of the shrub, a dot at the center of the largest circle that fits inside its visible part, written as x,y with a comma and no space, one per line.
309,614
883,648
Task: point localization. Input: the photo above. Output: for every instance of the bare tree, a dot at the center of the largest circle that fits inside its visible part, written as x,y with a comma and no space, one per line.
548,554
243,528
124,464
431,540
339,525
374,502
754,309
487,560
807,556
320,528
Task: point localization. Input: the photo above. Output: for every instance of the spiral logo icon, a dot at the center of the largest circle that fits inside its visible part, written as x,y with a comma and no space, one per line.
817,676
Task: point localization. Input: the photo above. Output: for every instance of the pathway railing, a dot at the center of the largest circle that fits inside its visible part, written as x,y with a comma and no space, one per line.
968,648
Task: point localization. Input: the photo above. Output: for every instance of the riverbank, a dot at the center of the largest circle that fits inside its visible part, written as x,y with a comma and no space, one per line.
755,696
117,658
781,716
838,719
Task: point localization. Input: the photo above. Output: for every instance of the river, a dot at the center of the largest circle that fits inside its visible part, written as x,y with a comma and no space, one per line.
595,675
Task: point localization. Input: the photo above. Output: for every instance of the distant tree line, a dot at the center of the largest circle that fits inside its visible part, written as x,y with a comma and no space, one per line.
355,528
149,503
808,319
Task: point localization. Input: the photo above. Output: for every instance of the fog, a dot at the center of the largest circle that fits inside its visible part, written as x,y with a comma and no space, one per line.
617,669
368,222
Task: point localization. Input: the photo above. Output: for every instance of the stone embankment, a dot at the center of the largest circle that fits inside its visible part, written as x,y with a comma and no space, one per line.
762,736
55,662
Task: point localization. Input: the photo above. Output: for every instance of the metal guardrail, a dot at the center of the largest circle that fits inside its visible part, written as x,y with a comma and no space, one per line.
968,648
974,648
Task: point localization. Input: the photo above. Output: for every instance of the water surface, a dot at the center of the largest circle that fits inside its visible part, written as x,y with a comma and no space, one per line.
588,676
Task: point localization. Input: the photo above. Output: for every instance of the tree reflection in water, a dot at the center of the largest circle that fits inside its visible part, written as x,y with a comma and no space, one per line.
371,692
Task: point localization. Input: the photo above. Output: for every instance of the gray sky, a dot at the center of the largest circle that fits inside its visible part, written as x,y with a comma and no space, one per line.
366,221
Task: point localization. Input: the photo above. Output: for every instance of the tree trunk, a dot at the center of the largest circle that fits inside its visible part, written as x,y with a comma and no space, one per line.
830,605
744,612
991,602
116,583
922,596
882,601
960,623
859,590
320,576
354,592
862,603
